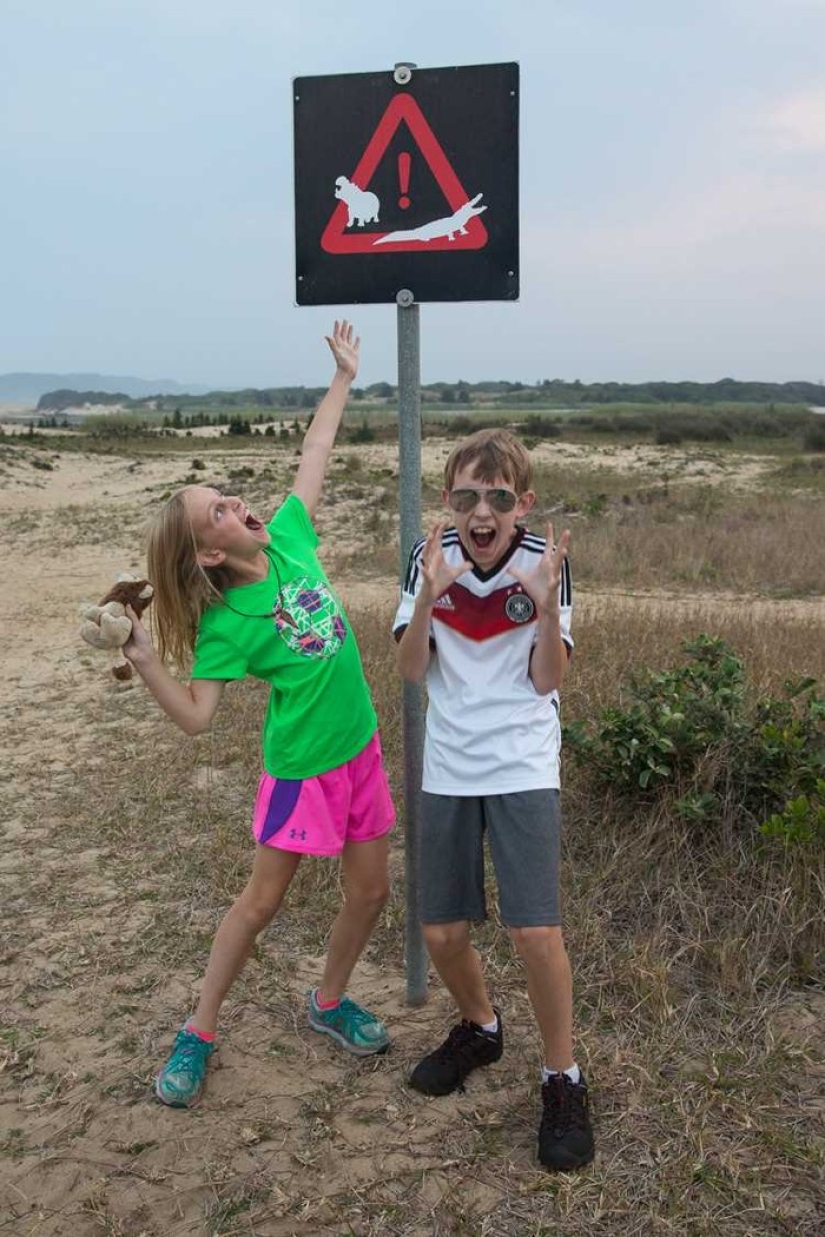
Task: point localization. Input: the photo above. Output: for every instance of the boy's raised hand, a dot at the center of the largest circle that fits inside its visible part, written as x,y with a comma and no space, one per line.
438,575
345,348
542,584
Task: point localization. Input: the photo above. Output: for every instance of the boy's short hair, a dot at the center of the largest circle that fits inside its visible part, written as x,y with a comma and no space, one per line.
490,454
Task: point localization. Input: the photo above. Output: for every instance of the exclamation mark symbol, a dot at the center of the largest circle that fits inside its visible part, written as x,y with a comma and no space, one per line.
404,161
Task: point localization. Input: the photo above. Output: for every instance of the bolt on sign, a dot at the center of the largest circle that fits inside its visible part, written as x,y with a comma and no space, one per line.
407,180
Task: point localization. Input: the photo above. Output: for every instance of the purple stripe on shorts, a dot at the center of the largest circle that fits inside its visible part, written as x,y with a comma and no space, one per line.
284,796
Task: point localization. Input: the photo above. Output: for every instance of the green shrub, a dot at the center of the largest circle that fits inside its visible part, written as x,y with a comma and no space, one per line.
802,820
814,437
362,433
668,436
696,737
540,427
239,427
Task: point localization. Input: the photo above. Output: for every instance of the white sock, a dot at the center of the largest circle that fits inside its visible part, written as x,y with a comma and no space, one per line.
491,1027
573,1073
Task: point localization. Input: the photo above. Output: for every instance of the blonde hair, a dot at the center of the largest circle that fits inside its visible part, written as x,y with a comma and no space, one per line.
183,588
490,454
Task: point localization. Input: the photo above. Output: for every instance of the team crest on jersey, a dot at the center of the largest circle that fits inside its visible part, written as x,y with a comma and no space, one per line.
519,608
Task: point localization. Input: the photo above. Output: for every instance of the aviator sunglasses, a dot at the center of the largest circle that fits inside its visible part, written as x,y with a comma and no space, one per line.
466,500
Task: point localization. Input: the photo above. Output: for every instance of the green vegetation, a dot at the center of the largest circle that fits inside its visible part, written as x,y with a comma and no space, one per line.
57,401
697,740
750,416
546,393
802,820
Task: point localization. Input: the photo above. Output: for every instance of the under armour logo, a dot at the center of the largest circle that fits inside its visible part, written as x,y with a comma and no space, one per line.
298,833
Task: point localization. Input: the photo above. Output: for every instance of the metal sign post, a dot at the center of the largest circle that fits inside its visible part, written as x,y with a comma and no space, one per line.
412,718
406,190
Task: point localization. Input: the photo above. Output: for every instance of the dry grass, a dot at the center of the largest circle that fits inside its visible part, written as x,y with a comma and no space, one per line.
702,1042
767,545
705,1067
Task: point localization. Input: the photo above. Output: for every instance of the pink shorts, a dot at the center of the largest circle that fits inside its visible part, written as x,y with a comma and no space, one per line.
319,815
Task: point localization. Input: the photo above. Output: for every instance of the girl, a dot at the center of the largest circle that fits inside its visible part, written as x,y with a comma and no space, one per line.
252,598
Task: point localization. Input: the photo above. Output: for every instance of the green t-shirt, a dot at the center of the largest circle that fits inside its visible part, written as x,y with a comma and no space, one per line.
291,631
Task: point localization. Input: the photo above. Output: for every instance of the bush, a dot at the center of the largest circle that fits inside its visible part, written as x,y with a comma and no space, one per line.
696,737
362,433
802,819
540,427
814,438
668,436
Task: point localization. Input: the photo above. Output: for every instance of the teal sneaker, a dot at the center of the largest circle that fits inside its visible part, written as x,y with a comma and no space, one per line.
350,1025
180,1083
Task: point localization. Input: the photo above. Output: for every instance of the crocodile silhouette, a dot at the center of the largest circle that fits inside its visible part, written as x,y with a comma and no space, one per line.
438,228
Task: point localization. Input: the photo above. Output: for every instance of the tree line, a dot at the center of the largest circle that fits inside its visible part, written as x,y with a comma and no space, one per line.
546,393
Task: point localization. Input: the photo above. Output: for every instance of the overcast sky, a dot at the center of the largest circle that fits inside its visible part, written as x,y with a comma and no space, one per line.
672,188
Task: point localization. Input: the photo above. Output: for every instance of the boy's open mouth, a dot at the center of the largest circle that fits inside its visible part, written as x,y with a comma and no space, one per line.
252,523
483,538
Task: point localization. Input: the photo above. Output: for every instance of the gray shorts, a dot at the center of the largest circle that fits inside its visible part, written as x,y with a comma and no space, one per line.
524,832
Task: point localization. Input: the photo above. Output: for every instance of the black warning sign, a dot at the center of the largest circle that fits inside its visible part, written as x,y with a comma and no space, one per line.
407,181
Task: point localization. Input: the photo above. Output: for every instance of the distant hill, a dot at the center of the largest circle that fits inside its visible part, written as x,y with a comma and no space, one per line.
27,388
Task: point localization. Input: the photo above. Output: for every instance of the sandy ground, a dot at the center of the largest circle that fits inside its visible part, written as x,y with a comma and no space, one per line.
84,1149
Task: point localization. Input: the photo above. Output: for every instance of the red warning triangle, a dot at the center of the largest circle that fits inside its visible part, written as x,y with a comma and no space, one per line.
469,233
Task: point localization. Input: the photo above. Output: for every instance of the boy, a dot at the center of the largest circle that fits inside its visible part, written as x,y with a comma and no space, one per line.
485,618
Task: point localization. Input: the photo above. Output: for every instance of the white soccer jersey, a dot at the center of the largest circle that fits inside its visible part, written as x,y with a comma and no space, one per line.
488,730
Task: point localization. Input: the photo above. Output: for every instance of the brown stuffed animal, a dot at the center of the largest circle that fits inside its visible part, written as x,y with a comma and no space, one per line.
108,626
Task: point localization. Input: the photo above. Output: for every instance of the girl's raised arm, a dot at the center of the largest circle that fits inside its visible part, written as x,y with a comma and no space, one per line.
320,437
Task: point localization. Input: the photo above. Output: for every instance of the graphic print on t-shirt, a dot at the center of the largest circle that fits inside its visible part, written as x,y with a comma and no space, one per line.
308,618
480,618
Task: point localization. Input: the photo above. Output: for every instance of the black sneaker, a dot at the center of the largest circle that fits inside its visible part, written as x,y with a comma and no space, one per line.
466,1048
565,1133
